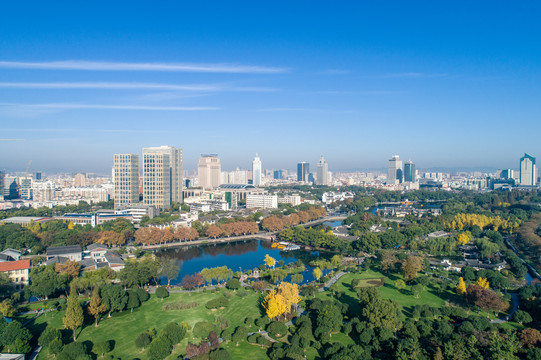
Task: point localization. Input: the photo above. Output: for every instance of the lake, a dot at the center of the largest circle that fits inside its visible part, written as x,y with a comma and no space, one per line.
238,256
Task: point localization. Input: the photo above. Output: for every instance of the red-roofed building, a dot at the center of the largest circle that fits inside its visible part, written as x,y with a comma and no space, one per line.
18,271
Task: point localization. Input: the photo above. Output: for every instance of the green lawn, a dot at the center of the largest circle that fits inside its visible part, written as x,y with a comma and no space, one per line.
388,291
124,327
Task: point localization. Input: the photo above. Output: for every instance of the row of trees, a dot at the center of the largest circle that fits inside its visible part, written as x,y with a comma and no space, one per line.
279,302
280,222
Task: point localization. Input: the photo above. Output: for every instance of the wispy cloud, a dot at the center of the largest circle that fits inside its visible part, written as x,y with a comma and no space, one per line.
361,92
12,139
68,106
85,130
414,75
131,86
125,66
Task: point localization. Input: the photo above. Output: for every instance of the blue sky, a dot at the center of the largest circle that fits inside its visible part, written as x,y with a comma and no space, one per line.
446,83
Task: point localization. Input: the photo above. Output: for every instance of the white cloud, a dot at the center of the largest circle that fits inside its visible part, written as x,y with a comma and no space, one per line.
125,66
68,106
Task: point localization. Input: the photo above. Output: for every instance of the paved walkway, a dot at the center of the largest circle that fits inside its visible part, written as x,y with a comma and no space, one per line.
332,281
515,302
35,353
263,333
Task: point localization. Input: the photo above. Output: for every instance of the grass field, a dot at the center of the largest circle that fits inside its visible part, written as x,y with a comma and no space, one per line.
124,327
388,291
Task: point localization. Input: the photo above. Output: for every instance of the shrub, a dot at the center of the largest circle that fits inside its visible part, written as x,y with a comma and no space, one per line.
72,350
202,329
240,334
216,303
180,306
162,292
142,294
102,347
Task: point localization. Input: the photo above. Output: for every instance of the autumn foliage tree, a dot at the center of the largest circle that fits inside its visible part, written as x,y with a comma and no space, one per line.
461,287
484,298
70,268
411,266
95,307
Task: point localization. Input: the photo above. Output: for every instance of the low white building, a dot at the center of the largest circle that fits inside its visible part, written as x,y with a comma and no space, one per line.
294,200
137,212
330,197
262,201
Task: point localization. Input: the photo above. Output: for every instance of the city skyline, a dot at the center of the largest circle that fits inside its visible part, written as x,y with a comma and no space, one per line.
428,81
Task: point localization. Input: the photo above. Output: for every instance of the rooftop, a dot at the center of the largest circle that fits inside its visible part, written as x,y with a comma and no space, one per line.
24,219
15,265
236,186
62,250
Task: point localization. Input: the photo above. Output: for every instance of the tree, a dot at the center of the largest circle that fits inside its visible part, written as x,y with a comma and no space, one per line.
143,340
382,314
336,261
190,282
55,347
73,318
464,238
522,317
297,278
133,300
174,332
483,282
44,281
277,328
113,297
159,348
399,284
484,298
416,290
317,273
95,307
530,337
461,287
6,308
169,268
15,338
233,284
411,266
270,261
162,292
290,294
388,260
220,354
214,341
71,268
101,348
274,304
50,334
503,347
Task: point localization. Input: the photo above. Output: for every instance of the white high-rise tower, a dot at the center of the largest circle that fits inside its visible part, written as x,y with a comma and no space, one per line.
528,171
126,179
322,172
162,176
256,171
395,173
209,171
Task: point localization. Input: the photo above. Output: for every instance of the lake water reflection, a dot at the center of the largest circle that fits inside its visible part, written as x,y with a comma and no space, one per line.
241,255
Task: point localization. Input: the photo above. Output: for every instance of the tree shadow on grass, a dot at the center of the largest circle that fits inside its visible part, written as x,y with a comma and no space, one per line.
353,304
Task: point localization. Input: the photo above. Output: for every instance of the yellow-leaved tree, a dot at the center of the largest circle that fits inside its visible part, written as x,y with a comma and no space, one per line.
270,261
483,282
317,273
464,238
290,293
461,287
274,304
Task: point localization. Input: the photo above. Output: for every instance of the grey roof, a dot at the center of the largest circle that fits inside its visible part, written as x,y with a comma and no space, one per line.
95,246
63,250
113,258
11,252
11,356
4,257
88,263
56,259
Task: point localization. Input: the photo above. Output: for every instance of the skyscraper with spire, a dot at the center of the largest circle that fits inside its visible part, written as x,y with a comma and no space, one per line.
256,171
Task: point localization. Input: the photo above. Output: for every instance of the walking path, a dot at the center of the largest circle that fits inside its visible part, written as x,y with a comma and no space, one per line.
35,353
514,307
332,281
263,333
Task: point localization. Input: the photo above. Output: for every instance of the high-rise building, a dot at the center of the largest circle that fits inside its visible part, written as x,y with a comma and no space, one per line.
256,171
209,171
303,169
80,180
322,172
37,175
278,174
409,171
528,171
2,174
126,179
507,174
25,187
162,176
394,173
